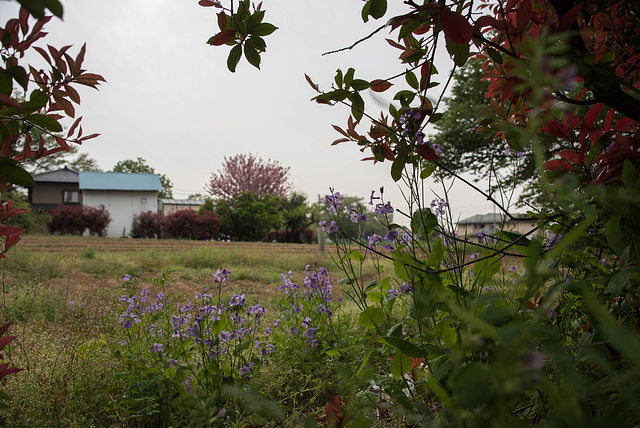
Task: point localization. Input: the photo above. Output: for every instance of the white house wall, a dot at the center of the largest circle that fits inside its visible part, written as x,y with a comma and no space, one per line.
122,206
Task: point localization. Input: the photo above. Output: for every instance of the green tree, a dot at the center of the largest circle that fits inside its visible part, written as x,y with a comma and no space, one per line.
298,215
249,217
139,166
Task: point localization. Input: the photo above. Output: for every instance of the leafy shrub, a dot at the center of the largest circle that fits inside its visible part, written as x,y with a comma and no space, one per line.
67,220
96,220
188,224
292,236
146,225
74,219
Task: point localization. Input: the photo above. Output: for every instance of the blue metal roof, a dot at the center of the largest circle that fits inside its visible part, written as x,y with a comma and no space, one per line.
119,181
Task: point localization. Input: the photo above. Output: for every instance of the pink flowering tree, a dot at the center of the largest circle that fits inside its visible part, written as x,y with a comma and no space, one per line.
248,173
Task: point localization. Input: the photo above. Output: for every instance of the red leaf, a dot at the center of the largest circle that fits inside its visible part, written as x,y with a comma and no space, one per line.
206,3
340,130
6,100
556,129
421,29
609,120
378,85
222,37
427,152
24,20
455,26
589,119
313,85
569,18
570,155
340,140
73,127
222,21
523,16
557,163
333,411
3,343
4,328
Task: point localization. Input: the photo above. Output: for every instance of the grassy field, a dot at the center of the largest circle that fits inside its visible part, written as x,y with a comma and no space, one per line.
62,294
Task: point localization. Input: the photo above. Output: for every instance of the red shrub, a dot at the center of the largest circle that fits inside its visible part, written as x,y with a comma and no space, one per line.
67,220
96,220
146,225
188,224
74,219
292,236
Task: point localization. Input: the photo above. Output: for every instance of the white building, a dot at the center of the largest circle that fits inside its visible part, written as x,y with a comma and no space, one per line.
124,195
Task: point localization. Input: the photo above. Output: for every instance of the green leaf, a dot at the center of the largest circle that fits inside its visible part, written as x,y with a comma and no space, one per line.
234,58
371,317
357,106
10,172
436,117
339,94
360,84
349,77
365,11
263,29
19,75
377,8
470,385
485,269
436,255
400,364
45,122
252,55
412,80
405,347
423,222
398,165
427,171
495,56
353,254
459,52
332,352
339,79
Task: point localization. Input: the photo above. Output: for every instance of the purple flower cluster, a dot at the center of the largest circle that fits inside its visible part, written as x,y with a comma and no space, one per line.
328,228
214,331
333,201
508,152
439,207
304,306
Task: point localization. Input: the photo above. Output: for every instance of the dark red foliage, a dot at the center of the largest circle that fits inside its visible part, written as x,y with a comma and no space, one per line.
291,236
188,224
146,225
96,220
75,219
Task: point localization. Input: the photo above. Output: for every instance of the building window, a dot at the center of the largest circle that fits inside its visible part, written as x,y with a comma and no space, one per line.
70,197
143,204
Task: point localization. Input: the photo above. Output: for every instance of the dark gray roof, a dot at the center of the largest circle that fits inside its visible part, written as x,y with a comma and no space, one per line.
487,218
64,175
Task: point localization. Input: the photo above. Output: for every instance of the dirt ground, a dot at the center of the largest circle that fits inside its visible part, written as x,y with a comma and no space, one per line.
76,283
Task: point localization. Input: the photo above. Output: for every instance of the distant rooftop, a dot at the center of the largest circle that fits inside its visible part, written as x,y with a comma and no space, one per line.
181,201
119,181
64,175
487,218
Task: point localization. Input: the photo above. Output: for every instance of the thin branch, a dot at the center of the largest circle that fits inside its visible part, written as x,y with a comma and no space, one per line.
355,43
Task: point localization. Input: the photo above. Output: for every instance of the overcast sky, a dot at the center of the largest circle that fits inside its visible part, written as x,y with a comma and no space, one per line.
170,99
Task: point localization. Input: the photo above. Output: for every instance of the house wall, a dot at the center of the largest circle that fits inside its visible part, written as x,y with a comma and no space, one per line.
50,193
122,206
472,229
